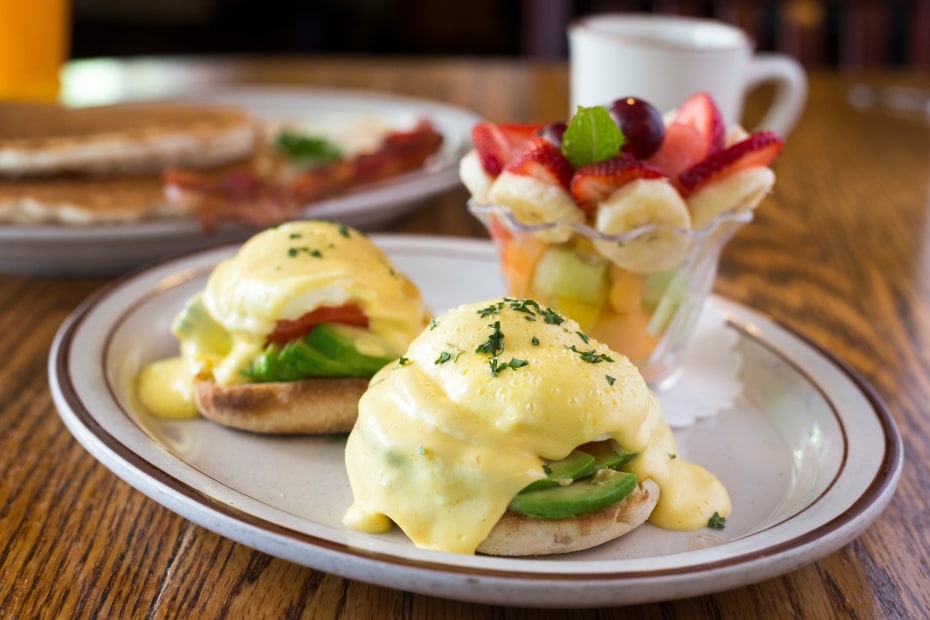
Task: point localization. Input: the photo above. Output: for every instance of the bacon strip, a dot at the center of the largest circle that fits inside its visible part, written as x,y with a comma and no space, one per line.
245,196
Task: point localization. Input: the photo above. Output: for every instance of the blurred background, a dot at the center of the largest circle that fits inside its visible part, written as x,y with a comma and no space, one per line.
852,34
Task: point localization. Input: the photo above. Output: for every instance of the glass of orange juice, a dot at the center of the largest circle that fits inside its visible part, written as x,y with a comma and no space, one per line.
34,43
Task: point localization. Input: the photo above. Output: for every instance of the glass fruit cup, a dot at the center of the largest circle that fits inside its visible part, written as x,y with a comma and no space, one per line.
640,292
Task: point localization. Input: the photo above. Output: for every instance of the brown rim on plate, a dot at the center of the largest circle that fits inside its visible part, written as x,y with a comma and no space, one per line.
878,490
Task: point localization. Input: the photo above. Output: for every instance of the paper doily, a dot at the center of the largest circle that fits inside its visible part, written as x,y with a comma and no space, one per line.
709,381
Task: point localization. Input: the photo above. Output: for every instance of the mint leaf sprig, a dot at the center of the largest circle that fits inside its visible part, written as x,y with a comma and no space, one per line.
591,136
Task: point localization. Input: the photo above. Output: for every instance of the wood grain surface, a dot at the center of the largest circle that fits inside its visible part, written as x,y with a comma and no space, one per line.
840,253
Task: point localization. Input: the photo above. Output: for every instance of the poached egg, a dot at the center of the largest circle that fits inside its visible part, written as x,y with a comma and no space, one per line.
280,274
453,430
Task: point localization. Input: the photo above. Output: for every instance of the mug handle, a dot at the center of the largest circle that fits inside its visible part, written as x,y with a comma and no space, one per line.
790,89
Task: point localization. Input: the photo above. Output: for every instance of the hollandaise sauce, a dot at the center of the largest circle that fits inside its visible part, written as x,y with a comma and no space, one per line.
450,433
283,274
165,389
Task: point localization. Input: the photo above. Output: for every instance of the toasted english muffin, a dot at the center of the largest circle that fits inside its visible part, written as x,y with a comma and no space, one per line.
517,535
317,406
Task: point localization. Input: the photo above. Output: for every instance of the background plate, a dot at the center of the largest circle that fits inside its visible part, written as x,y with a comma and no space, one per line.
809,454
115,248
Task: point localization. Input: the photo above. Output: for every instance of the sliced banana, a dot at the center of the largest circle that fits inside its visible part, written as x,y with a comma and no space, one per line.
735,133
640,203
741,191
537,202
474,177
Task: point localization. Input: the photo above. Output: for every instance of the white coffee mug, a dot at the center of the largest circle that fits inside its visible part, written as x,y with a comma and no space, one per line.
665,59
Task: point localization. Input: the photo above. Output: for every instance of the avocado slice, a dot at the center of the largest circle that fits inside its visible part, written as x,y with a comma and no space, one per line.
559,473
607,454
294,361
582,497
340,343
268,367
329,350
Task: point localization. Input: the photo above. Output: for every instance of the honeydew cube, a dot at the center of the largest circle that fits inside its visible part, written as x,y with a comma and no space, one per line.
568,275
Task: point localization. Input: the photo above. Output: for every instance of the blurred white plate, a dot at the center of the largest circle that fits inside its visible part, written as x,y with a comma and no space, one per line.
809,454
115,248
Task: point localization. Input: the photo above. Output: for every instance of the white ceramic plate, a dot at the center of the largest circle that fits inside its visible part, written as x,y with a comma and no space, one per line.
809,454
115,248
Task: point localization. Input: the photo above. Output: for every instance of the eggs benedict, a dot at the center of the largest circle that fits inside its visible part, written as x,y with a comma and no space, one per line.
287,332
504,429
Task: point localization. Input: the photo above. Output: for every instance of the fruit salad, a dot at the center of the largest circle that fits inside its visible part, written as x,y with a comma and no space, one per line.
618,217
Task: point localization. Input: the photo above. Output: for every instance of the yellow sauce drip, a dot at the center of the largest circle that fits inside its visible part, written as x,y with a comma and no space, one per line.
164,387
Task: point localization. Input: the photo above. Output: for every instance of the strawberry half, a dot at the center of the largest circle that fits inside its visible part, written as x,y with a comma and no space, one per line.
541,160
496,144
593,183
682,147
759,149
700,112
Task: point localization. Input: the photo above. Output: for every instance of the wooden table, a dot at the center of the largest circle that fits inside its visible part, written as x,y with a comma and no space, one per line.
840,254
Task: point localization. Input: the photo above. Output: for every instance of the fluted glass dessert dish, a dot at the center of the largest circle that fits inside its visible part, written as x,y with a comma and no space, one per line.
640,292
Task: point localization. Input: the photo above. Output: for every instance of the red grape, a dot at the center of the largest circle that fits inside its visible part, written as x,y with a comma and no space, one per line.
553,132
641,125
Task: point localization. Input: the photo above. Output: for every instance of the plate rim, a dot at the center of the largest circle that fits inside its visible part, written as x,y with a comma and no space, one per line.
840,530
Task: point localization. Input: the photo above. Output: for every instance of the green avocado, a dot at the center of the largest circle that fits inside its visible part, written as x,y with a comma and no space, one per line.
607,454
341,343
591,494
559,473
329,350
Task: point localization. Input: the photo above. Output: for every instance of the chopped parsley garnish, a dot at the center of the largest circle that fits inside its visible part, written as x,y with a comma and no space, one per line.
292,252
295,235
402,361
535,341
610,380
672,456
551,317
494,345
444,357
433,324
527,306
491,310
497,366
306,151
592,356
716,521
583,336
344,230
